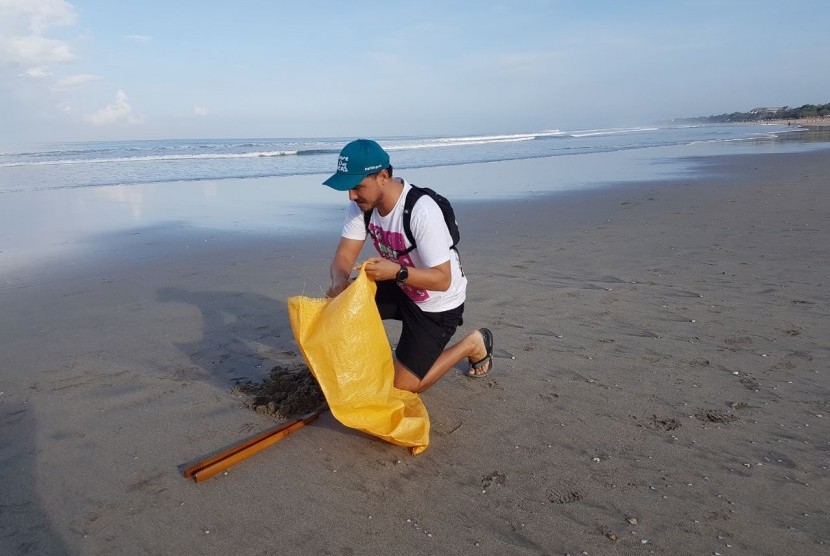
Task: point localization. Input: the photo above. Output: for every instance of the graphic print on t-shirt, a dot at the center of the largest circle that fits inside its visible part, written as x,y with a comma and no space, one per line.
389,244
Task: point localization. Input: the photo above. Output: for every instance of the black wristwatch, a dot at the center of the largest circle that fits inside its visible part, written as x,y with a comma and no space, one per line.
403,274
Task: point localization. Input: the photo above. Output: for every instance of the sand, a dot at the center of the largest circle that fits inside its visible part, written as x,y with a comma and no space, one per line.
288,392
804,122
660,386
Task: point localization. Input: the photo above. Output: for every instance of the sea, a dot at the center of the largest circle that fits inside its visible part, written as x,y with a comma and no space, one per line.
127,163
59,199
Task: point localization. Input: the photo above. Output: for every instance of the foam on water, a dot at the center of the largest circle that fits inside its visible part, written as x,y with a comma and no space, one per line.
97,164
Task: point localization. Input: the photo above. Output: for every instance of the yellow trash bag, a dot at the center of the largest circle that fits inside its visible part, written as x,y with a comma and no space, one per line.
346,349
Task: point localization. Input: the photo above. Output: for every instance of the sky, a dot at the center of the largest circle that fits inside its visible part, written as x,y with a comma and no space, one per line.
149,69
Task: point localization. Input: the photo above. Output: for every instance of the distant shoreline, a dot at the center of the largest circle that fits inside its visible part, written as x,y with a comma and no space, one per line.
804,122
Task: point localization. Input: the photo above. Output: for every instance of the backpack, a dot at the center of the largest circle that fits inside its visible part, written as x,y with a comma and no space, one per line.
412,197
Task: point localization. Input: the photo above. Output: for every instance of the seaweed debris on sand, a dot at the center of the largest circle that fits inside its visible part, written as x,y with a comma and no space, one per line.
287,392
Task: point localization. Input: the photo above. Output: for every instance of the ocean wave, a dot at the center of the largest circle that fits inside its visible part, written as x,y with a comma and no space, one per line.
461,141
148,158
600,132
138,162
511,137
307,152
150,151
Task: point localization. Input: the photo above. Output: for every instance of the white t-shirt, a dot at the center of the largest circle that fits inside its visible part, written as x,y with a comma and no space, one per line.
432,239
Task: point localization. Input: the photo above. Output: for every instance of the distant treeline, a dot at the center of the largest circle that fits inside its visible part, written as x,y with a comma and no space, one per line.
761,114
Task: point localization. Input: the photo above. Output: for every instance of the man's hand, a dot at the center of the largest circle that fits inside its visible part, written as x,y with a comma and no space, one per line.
337,289
378,268
437,278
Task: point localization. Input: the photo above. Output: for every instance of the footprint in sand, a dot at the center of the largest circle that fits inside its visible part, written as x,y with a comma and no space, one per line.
494,478
715,416
563,496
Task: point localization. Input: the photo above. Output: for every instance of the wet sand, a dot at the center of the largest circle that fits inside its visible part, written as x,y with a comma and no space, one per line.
660,386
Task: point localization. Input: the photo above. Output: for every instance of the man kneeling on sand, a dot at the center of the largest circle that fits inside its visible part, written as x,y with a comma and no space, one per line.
421,285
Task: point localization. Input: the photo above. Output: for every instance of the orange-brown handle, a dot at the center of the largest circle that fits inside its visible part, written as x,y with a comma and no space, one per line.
209,467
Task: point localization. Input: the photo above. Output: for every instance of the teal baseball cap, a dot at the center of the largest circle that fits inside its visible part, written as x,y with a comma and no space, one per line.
357,160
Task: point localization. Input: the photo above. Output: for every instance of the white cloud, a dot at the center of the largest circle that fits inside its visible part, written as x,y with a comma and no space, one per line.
75,81
23,24
34,49
119,112
36,73
200,110
42,14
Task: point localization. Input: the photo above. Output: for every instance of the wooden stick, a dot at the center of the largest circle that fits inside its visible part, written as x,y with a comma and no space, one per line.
207,462
209,467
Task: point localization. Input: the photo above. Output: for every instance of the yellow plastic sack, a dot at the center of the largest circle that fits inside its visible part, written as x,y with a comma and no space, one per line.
346,349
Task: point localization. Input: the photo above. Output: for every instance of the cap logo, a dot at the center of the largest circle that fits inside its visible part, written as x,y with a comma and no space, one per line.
343,164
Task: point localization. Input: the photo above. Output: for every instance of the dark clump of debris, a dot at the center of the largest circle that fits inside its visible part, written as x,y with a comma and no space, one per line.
665,424
287,392
715,416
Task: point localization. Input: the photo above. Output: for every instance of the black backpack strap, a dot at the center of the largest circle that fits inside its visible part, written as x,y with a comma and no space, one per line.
412,197
367,217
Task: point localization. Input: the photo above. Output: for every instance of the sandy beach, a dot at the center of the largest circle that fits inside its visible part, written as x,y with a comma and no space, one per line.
805,122
660,385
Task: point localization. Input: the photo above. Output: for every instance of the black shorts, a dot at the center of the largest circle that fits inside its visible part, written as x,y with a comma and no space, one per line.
424,335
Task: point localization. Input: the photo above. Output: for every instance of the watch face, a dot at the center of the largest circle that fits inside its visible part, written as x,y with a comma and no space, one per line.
403,274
